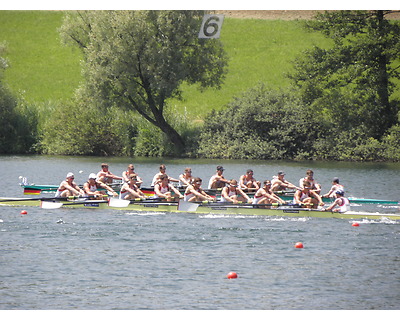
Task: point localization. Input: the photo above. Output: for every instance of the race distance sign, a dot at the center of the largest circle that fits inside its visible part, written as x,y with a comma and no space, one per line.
211,26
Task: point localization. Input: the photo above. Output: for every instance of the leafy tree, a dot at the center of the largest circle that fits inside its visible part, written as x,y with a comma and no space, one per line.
8,117
139,59
18,121
262,124
86,130
352,82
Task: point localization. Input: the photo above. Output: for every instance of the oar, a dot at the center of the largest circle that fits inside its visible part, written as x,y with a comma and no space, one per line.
41,199
122,203
57,205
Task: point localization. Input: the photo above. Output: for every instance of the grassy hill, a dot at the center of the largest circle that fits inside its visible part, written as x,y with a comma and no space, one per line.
39,65
259,50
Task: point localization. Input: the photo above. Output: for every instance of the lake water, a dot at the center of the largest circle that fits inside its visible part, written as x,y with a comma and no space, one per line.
69,259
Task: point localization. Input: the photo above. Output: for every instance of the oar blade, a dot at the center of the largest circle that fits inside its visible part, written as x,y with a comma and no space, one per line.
50,205
118,203
187,206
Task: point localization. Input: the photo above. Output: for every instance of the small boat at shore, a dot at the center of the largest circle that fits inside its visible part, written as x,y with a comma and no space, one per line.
154,205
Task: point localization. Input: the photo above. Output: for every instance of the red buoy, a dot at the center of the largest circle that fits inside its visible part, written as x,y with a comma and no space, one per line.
299,245
232,275
355,224
24,212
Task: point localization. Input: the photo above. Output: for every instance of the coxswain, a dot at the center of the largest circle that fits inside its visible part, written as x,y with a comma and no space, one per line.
68,188
341,202
336,186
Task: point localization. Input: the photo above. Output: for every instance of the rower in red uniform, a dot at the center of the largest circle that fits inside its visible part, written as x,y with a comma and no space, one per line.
163,189
231,193
92,186
194,192
315,186
307,197
129,171
265,195
130,190
68,188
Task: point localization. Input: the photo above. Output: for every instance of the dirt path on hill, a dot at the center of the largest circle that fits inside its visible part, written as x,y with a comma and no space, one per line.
280,14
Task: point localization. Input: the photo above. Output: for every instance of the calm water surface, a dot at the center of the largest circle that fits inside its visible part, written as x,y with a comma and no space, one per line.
108,259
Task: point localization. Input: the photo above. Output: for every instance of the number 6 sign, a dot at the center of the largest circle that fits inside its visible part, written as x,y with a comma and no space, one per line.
211,26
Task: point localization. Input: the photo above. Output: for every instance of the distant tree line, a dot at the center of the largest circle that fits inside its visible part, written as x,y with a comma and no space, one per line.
340,106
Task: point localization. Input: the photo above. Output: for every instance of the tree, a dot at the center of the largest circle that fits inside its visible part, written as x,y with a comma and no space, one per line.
262,124
354,80
139,59
18,121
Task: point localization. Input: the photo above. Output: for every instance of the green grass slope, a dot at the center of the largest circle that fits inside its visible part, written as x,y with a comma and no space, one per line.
259,51
40,66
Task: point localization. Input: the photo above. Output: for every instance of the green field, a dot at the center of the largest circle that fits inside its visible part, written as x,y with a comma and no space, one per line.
259,51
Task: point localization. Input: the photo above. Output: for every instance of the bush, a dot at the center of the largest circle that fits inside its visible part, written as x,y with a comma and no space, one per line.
90,130
391,144
262,124
152,142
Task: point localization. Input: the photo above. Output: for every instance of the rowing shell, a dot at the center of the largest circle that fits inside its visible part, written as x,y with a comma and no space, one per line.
198,208
149,192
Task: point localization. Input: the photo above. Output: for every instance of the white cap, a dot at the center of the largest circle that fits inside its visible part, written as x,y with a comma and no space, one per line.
70,175
92,176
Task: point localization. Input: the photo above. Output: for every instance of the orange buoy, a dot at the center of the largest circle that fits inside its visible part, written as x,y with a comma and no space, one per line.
298,245
355,224
232,275
24,212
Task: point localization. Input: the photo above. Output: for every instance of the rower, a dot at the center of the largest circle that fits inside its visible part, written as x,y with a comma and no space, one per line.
163,189
231,193
130,190
186,178
310,177
248,183
105,176
307,197
68,188
280,184
217,180
341,202
157,176
131,170
194,192
265,195
92,187
336,186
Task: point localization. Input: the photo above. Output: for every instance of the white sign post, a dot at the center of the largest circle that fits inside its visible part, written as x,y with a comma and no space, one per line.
211,26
